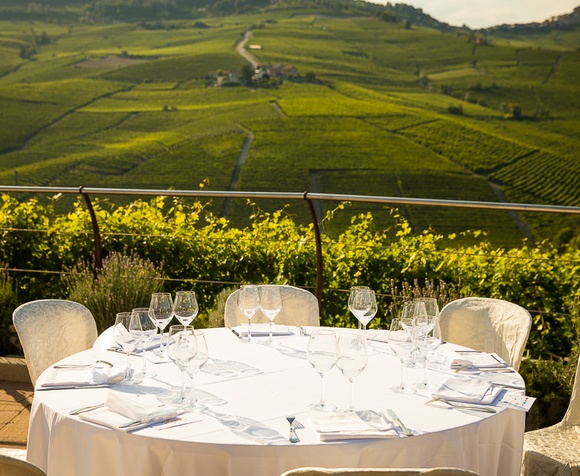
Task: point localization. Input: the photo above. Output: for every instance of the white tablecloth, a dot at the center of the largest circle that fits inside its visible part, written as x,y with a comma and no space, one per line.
234,439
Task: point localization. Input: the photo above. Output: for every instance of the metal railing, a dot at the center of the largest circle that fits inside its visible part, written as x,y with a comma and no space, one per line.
308,197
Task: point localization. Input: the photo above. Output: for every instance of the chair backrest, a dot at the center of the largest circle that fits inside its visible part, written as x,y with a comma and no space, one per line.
299,308
489,325
52,329
10,466
378,472
572,416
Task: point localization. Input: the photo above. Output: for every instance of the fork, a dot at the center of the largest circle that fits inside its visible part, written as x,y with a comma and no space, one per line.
464,407
297,425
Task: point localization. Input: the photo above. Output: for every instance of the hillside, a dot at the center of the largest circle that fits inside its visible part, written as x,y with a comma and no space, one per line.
370,104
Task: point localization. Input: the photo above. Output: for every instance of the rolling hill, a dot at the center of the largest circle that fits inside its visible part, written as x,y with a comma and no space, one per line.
373,101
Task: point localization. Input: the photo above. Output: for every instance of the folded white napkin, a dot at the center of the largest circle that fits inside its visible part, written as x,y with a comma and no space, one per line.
121,409
377,335
467,390
261,330
79,377
476,360
349,426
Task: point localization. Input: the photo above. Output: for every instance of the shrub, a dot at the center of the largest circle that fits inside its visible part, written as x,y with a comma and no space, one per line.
9,343
124,282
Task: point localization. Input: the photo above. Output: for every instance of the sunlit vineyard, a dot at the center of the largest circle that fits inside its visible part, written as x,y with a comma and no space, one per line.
386,110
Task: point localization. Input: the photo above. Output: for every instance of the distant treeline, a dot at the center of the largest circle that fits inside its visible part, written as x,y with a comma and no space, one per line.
156,10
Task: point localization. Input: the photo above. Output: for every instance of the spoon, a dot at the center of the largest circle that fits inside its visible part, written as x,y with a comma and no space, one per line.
293,438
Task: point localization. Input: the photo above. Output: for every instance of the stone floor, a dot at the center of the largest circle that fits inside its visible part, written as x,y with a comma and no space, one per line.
16,393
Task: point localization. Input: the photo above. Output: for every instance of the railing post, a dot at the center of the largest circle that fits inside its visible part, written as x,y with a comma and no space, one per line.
98,263
318,241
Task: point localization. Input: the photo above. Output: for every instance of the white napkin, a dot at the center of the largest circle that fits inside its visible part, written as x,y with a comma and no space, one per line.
262,330
349,426
468,390
120,409
377,335
79,377
477,360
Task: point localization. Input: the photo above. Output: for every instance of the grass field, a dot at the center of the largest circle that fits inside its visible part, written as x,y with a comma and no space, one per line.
118,105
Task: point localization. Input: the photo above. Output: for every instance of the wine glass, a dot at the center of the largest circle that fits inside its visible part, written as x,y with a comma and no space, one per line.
148,332
400,341
161,312
352,359
426,339
185,307
270,304
194,366
181,349
126,333
249,303
360,303
322,354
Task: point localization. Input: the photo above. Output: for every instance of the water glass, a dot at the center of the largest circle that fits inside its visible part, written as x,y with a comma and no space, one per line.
270,304
148,333
127,334
161,312
194,366
185,307
181,349
400,341
352,359
249,303
322,354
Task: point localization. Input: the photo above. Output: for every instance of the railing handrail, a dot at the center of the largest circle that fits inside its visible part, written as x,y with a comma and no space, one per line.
309,197
523,207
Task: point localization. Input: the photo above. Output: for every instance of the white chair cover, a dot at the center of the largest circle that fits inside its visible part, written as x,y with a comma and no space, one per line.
378,472
555,450
299,308
52,329
489,325
10,466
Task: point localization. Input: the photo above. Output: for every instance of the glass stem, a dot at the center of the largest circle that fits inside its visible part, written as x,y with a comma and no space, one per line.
351,402
249,330
192,394
402,374
182,394
425,370
144,367
128,369
271,325
322,401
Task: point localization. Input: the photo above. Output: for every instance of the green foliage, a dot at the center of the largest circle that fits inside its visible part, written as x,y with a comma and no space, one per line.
9,343
123,283
199,249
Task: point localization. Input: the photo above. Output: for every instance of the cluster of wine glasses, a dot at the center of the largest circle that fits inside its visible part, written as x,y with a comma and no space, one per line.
266,298
348,352
163,308
187,349
362,302
417,328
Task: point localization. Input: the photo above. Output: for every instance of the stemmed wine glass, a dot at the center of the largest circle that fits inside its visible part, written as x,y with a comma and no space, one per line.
181,349
270,304
127,333
249,303
161,312
352,359
360,303
148,332
194,366
399,340
322,354
185,307
426,339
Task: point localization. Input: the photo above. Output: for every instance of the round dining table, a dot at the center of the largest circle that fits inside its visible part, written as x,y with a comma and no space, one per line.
247,391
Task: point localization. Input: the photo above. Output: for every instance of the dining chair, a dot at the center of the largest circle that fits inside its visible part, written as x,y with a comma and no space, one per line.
555,450
311,471
299,308
488,325
10,466
52,329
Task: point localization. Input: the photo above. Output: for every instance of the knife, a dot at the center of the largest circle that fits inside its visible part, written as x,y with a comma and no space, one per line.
398,421
70,387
